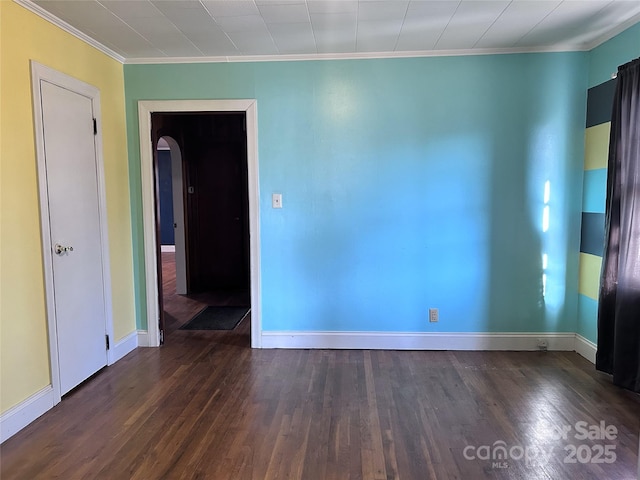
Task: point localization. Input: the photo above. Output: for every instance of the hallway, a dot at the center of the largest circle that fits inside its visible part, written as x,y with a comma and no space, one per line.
179,309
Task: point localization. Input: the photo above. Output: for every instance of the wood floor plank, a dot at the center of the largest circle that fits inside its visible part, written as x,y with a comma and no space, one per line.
341,415
206,406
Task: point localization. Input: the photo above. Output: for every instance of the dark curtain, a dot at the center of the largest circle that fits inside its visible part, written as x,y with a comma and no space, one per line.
619,306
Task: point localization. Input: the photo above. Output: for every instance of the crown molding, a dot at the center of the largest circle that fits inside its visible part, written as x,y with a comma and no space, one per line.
355,56
42,13
613,32
29,5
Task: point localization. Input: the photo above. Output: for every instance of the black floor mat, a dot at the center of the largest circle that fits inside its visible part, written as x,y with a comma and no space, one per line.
216,318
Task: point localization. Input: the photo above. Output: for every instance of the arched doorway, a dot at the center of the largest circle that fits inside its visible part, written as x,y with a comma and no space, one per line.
171,198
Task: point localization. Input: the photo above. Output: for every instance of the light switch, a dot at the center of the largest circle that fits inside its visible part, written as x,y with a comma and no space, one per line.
276,200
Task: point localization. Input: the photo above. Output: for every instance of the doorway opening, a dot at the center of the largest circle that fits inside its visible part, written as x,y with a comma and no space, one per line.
206,187
169,172
203,213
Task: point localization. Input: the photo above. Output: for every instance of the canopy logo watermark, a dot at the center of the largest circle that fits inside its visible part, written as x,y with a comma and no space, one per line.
581,443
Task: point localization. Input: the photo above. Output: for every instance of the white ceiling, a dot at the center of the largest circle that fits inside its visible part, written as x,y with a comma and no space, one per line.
166,30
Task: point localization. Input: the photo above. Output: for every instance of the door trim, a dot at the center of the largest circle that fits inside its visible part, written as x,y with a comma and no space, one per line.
147,174
41,73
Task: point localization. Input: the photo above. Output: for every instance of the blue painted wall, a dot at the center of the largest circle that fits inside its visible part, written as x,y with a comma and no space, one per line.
603,61
165,191
407,184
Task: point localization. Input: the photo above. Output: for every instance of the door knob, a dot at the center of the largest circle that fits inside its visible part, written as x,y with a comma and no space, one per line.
59,249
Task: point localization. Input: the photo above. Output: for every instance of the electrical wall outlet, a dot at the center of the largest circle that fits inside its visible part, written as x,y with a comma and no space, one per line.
433,315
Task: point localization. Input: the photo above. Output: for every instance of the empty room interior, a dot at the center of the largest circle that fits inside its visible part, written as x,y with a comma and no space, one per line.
319,239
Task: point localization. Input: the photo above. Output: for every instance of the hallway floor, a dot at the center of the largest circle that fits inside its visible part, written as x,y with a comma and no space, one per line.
179,309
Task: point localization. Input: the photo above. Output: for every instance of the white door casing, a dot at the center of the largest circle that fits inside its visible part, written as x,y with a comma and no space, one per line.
147,173
73,217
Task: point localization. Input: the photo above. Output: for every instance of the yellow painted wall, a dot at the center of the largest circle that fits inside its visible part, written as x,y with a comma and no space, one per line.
596,146
590,266
24,357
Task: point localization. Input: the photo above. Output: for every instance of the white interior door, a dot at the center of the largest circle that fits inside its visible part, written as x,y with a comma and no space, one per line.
74,219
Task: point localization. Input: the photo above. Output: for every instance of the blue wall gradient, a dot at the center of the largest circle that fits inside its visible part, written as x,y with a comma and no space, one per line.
407,184
606,58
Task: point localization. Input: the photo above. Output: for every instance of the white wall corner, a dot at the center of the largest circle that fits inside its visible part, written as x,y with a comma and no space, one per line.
21,415
417,340
586,348
122,347
143,338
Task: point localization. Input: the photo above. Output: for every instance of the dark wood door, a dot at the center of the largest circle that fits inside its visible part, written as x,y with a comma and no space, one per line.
220,191
218,203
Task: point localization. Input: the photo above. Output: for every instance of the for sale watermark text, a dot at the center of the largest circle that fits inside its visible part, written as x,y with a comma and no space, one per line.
581,442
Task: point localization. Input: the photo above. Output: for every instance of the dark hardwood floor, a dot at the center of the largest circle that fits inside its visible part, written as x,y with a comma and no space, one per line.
179,309
206,406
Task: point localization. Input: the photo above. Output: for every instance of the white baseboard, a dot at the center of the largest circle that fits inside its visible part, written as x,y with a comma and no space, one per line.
18,417
167,248
586,348
417,340
21,415
143,338
121,348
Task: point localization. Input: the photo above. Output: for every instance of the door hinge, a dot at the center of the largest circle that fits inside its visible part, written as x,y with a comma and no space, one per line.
95,126
161,337
106,337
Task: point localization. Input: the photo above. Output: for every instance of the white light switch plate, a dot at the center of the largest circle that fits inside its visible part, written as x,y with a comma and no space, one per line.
276,200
